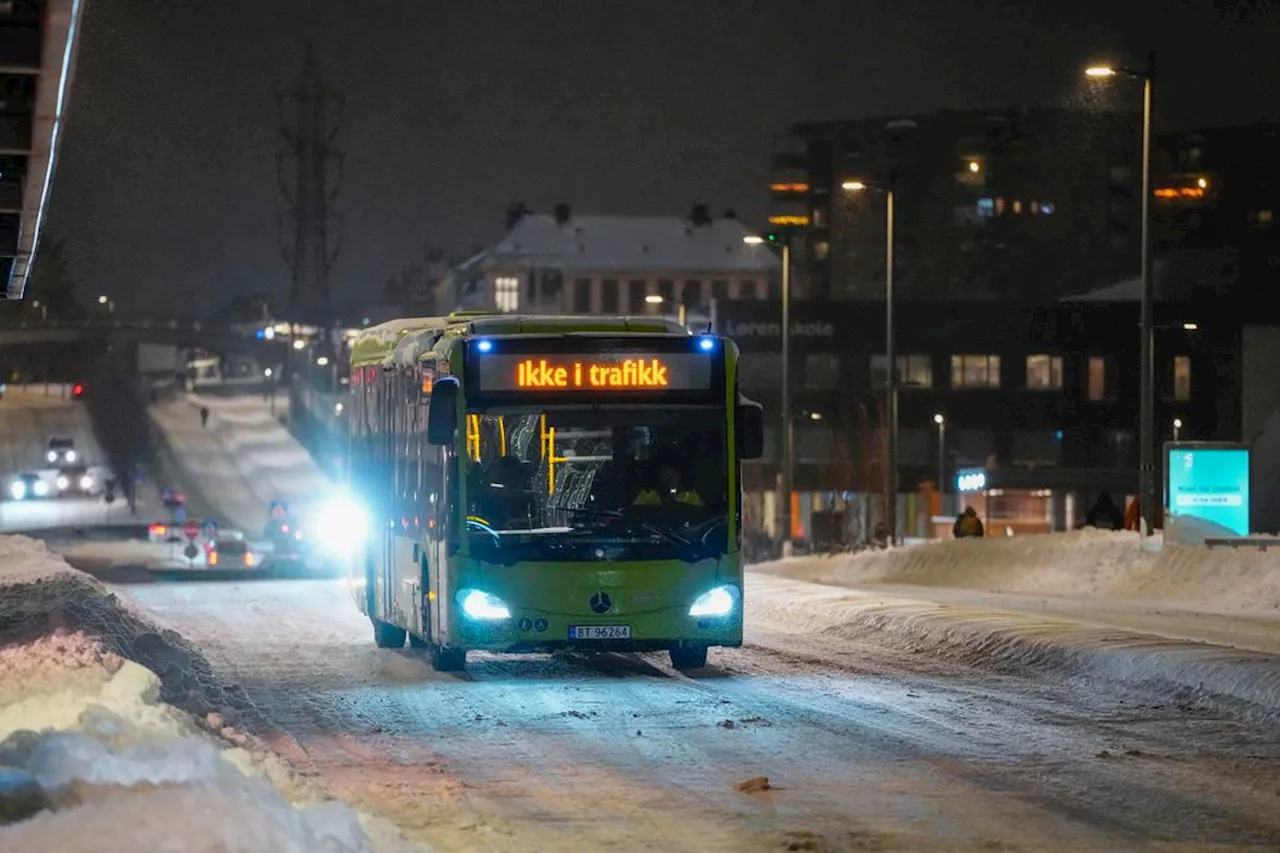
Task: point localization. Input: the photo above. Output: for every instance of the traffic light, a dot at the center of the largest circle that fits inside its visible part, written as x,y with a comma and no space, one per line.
771,236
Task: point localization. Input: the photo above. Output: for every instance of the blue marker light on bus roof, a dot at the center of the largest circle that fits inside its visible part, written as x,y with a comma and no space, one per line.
706,344
484,345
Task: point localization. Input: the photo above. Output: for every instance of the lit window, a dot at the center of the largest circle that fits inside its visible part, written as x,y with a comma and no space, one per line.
914,371
1097,378
506,293
1046,207
821,250
986,207
820,217
1044,372
1182,377
999,205
1035,206
1264,217
975,371
1017,206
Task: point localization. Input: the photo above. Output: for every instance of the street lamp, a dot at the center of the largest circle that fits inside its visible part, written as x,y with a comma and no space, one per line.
890,353
1147,417
299,343
941,421
788,439
1177,428
322,361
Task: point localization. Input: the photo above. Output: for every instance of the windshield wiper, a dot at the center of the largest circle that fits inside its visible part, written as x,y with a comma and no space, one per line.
619,515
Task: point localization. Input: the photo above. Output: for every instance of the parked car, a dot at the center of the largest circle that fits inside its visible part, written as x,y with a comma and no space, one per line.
231,553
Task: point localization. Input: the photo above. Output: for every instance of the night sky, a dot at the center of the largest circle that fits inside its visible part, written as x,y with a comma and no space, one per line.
166,192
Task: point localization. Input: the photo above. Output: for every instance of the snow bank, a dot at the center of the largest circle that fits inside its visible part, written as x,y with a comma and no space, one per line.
1249,681
91,760
1087,562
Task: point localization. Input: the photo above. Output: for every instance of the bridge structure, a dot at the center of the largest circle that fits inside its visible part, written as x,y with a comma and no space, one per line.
39,40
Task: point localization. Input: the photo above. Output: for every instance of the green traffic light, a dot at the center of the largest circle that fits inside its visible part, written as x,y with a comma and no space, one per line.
771,237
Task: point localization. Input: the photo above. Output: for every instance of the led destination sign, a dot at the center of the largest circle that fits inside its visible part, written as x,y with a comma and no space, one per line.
599,372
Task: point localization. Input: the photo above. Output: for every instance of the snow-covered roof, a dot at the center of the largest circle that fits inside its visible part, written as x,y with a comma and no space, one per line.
629,244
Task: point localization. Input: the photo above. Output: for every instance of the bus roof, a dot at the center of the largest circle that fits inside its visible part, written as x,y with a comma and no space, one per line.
405,341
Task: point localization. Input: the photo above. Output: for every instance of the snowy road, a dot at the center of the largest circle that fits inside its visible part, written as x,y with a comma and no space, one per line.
28,419
867,748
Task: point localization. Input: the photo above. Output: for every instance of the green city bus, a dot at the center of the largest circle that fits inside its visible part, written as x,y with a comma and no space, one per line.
537,483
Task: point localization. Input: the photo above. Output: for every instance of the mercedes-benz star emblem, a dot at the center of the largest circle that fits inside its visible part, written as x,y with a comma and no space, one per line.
600,602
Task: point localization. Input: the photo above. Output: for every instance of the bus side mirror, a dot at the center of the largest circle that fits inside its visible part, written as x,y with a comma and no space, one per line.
442,415
750,429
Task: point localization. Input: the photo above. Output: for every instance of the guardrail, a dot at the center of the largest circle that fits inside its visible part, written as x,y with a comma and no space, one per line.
47,389
1262,543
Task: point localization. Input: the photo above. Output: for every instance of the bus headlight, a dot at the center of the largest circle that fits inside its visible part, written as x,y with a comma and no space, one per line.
71,456
63,482
18,490
52,456
715,602
41,488
481,605
86,482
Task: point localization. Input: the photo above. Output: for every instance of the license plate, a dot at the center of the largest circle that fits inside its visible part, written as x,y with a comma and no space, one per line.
599,632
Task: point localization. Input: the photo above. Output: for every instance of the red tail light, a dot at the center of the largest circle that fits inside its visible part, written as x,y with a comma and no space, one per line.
77,390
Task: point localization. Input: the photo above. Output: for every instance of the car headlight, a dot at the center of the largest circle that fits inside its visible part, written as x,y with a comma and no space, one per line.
52,456
720,601
481,605
18,490
71,456
341,525
41,488
86,482
63,482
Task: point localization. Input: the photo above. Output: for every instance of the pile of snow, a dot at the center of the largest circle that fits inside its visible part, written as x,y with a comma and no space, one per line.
92,760
1246,682
40,594
1086,562
242,460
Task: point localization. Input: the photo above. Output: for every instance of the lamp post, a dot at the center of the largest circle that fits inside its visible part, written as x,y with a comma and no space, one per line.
1146,417
788,439
941,421
1177,428
890,353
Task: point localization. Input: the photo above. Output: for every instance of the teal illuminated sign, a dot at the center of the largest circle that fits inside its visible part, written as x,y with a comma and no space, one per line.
1209,482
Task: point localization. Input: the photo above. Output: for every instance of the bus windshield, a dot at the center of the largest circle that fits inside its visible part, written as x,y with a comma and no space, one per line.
596,483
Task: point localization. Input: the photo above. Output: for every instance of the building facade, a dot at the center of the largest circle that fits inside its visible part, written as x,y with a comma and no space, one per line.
1020,205
1044,400
561,263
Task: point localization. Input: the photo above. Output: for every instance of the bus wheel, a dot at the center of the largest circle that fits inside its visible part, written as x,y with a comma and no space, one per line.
447,659
387,636
689,657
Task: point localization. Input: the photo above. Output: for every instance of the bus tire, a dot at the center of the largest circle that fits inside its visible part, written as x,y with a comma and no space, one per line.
386,635
448,659
689,657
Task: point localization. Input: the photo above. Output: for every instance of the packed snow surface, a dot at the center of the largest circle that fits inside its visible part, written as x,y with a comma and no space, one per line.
92,760
243,459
